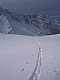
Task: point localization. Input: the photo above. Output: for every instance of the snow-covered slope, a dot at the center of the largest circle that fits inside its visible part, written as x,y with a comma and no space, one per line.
50,69
28,24
5,26
29,58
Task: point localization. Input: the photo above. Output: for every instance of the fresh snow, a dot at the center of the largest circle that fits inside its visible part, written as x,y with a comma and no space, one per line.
19,57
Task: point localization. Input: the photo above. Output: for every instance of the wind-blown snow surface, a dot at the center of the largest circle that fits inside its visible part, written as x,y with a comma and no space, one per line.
18,55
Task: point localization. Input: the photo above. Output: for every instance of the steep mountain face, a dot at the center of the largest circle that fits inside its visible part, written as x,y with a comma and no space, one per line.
33,24
5,26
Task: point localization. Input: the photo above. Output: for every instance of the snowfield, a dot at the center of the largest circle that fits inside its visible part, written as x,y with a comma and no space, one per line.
29,58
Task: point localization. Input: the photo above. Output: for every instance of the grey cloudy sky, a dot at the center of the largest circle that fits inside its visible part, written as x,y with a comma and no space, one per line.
31,5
